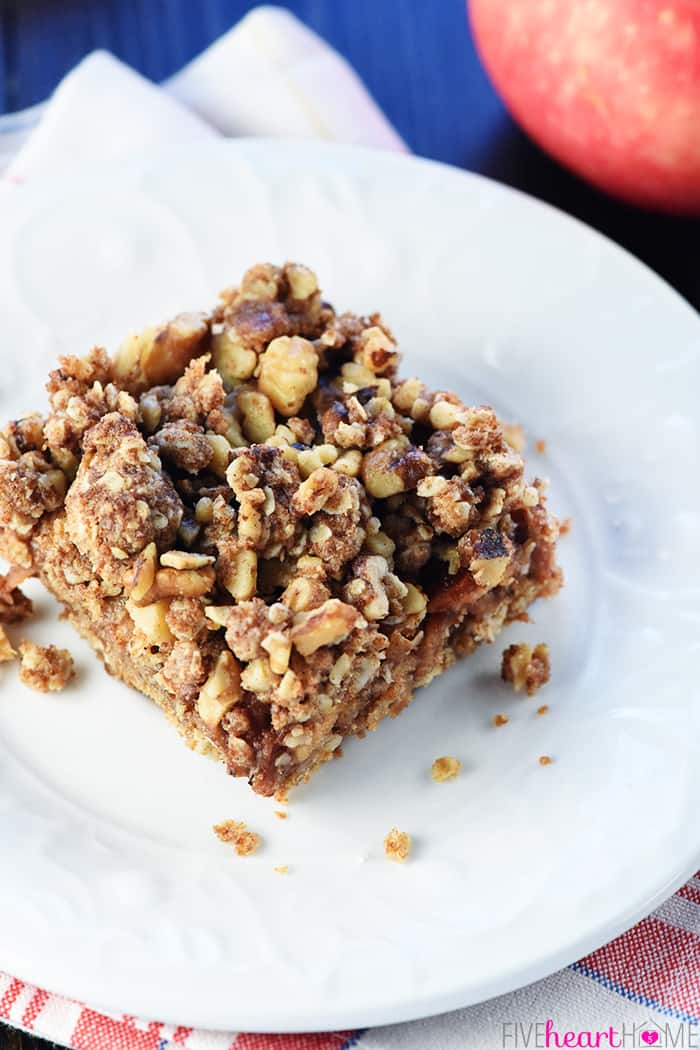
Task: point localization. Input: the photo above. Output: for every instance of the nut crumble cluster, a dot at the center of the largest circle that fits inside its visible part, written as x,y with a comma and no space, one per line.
236,833
255,522
526,667
397,845
44,667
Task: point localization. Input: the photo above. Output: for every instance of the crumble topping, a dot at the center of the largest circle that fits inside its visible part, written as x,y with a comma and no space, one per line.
445,768
525,667
44,667
261,526
235,832
397,845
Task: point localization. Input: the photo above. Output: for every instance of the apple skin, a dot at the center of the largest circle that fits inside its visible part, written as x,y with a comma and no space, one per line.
611,88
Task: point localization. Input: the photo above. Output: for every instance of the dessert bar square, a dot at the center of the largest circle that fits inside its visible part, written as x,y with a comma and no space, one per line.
259,525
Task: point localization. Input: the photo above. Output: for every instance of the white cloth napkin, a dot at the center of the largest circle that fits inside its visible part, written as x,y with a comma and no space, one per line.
269,75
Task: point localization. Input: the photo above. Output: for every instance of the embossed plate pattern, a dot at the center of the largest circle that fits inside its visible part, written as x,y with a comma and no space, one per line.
121,894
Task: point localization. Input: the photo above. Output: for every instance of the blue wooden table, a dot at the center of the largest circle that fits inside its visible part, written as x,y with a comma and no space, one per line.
417,58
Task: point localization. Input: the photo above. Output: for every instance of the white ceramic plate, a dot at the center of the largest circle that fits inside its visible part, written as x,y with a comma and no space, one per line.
114,888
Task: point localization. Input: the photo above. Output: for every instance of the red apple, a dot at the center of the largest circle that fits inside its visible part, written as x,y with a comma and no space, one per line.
611,88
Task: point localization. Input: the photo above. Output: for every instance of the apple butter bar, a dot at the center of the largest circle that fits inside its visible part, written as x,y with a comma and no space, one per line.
259,525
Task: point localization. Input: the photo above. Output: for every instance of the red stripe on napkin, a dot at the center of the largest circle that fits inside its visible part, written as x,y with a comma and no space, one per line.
8,999
97,1032
312,1041
653,961
34,1007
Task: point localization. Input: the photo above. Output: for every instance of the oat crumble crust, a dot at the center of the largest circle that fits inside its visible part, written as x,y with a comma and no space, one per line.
256,523
44,667
526,667
235,832
397,845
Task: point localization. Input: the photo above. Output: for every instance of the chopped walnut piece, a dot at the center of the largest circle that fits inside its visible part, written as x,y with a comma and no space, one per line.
374,589
377,350
235,832
329,624
397,845
44,667
525,668
445,768
232,359
185,560
183,583
288,373
314,493
394,466
487,554
6,650
221,690
159,355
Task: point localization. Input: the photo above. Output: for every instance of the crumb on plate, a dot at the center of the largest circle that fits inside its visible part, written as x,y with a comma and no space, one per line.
541,446
283,869
525,667
243,841
397,845
44,667
543,709
500,720
445,768
565,527
6,650
546,760
281,814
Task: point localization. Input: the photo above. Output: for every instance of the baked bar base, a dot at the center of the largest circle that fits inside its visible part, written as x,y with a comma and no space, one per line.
463,619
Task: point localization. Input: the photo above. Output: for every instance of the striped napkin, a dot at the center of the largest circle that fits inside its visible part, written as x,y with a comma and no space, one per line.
272,76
